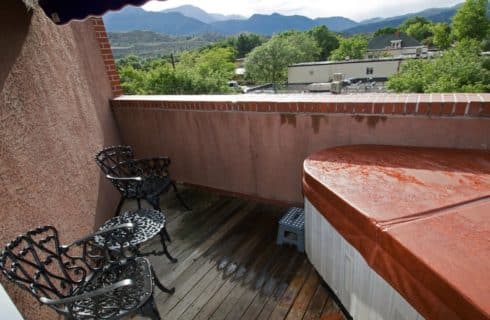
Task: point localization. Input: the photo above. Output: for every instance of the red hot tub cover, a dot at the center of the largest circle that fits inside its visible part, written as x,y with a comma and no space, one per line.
419,216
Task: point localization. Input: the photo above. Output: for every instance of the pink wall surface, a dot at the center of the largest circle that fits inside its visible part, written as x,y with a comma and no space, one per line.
54,116
255,145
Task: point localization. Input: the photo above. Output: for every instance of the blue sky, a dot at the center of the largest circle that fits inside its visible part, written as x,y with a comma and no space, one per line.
354,9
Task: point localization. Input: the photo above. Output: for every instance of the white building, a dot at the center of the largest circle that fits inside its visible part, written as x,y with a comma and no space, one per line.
320,72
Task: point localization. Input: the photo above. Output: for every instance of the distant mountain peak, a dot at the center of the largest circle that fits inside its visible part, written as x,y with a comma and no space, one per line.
192,20
197,13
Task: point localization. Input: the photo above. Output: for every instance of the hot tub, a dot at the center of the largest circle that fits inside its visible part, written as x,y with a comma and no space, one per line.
401,232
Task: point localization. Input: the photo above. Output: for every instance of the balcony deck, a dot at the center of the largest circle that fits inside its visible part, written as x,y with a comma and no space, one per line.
230,267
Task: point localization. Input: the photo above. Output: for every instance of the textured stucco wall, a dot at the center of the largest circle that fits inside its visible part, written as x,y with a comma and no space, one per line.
260,153
54,116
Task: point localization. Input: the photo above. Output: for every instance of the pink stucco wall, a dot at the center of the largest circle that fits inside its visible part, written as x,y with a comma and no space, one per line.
54,116
255,145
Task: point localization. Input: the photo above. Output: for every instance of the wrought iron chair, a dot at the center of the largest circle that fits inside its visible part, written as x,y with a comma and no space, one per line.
86,279
137,179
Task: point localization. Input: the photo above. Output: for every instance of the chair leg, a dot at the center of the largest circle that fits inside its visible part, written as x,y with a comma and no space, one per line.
167,236
149,309
179,197
154,202
160,285
119,205
164,245
139,203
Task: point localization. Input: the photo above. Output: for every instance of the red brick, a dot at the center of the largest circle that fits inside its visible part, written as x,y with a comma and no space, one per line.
447,108
106,51
475,108
363,108
398,108
410,108
349,107
323,107
485,109
387,107
424,108
98,28
460,108
435,108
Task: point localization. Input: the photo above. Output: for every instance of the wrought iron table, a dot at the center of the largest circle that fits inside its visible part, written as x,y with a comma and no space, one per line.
147,224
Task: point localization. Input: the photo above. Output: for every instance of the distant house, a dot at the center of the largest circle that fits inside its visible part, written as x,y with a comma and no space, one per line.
398,44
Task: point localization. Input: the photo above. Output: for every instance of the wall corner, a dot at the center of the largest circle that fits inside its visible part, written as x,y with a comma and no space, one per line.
106,52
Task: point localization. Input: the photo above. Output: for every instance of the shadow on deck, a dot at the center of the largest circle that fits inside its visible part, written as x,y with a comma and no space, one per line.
230,267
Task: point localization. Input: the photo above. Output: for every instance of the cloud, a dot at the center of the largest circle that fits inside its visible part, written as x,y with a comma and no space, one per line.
354,9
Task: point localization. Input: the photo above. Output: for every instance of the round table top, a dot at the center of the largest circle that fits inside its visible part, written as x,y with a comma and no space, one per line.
148,223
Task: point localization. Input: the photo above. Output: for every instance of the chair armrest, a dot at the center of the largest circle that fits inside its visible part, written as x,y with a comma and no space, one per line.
98,292
108,176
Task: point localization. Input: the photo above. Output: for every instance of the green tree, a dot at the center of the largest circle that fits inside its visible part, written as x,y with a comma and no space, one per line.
133,81
131,60
164,80
442,35
471,21
197,72
460,69
353,48
326,41
417,27
246,42
269,62
385,31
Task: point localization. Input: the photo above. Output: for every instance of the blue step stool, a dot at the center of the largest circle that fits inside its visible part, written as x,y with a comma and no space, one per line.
292,228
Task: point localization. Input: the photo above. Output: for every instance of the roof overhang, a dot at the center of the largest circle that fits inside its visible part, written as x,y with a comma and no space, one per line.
63,11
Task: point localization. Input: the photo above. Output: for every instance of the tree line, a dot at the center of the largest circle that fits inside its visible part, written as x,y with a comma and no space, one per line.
209,69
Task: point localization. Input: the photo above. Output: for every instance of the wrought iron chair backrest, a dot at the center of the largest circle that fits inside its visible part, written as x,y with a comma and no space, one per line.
110,157
39,264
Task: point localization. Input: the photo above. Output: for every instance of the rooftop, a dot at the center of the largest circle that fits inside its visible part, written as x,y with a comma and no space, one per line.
384,41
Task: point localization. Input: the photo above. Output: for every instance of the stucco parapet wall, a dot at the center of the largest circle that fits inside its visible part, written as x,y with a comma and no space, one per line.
444,105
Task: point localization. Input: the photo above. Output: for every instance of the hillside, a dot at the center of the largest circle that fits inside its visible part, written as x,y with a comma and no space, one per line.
434,15
151,44
173,23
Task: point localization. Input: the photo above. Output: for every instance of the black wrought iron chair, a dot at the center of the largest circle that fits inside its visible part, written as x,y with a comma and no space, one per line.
137,179
86,279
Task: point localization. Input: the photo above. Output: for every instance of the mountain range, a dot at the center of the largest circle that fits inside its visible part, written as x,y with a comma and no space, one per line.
191,20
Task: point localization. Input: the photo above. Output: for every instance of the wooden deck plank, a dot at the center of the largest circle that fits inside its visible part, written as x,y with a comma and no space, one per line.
195,252
212,275
302,301
213,304
252,260
234,305
192,222
261,300
265,286
187,280
196,306
318,302
285,302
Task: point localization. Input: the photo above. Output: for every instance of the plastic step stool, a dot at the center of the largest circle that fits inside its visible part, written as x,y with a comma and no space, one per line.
292,229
